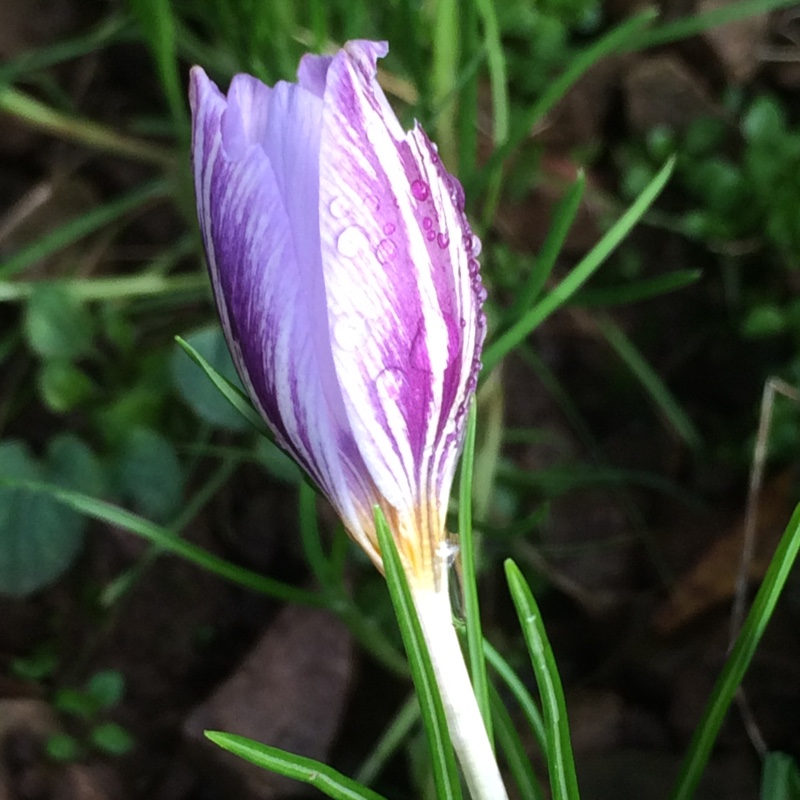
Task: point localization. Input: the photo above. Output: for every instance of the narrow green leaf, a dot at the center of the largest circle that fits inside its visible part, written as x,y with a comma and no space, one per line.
166,540
390,741
477,664
328,780
579,275
511,746
560,761
445,770
82,226
563,217
157,21
108,30
780,778
202,395
652,382
517,688
235,396
82,131
697,23
739,660
637,291
310,538
578,65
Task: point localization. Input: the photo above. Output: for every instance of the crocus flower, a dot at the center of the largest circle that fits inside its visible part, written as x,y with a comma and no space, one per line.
346,279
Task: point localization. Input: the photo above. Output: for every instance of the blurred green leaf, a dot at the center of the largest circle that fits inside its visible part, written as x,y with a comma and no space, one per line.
106,687
57,325
764,123
276,462
75,703
764,320
110,738
149,474
39,538
63,386
63,747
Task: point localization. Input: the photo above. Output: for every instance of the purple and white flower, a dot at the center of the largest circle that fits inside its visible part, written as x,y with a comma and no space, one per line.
346,279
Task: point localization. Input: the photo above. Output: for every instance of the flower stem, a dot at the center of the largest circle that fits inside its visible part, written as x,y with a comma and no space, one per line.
464,720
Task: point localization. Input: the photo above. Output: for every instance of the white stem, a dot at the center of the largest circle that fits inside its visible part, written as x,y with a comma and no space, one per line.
464,720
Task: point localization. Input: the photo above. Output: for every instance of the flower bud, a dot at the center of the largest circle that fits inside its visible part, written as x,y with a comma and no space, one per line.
346,278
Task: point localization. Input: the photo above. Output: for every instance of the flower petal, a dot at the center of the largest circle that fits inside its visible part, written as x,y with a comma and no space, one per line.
402,288
267,279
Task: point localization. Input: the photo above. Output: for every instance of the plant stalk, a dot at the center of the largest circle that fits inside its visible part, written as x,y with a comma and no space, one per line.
464,720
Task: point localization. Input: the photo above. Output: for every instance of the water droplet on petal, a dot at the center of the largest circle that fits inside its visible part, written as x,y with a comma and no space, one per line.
420,190
388,228
443,240
431,235
475,247
474,267
352,240
456,192
337,208
427,223
385,250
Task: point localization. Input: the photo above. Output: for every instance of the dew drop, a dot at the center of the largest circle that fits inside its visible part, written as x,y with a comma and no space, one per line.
352,240
337,208
427,223
481,293
475,245
474,267
431,235
443,240
420,190
388,228
385,250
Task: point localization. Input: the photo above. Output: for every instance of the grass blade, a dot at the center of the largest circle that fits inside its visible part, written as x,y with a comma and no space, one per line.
651,381
445,771
168,541
697,23
634,292
107,31
612,42
518,762
82,131
158,24
388,744
739,659
477,664
563,217
76,229
520,692
560,761
231,393
579,275
328,780
780,778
